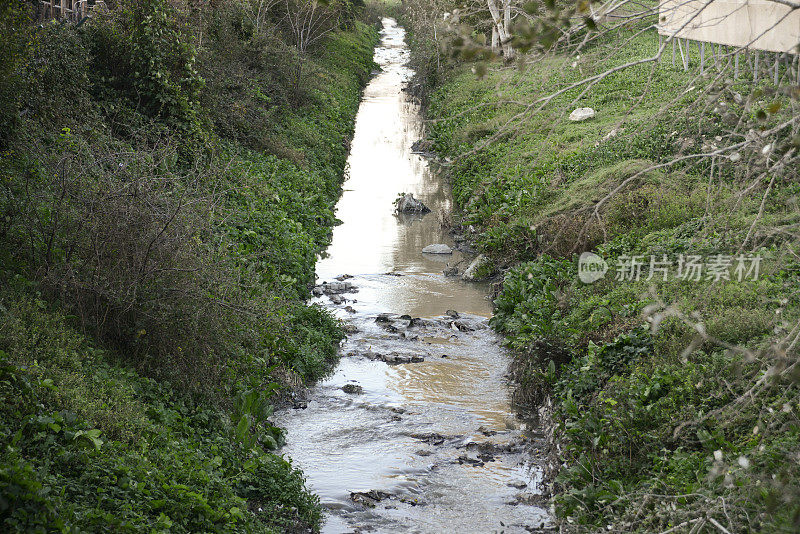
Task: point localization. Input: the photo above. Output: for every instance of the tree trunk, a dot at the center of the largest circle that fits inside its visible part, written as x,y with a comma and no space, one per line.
507,26
498,24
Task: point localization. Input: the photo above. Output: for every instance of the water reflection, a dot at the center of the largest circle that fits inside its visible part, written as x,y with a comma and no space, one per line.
373,240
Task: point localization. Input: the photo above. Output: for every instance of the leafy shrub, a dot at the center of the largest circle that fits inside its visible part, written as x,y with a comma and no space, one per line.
183,469
588,374
176,261
530,307
248,73
15,35
140,51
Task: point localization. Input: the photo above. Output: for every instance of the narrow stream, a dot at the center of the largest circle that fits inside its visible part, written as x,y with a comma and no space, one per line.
425,446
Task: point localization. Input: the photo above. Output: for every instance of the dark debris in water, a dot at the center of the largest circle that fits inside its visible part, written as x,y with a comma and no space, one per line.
368,498
353,389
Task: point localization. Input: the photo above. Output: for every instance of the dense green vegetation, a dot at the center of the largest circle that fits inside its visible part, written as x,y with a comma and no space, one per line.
675,400
168,175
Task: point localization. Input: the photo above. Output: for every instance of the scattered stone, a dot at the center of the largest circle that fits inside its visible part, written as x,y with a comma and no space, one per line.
417,321
423,147
452,313
423,452
517,484
408,204
530,500
471,274
437,248
368,498
350,328
451,271
431,438
343,277
405,317
337,299
486,457
486,432
464,459
464,326
350,309
383,318
413,501
490,449
581,114
394,358
465,248
333,288
353,389
392,273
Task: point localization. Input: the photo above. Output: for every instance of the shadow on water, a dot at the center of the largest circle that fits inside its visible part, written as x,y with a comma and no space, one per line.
432,446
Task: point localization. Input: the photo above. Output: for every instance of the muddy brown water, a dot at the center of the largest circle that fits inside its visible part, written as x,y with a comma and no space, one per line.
431,446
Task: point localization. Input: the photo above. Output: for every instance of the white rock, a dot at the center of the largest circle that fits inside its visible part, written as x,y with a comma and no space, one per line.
581,114
438,248
470,274
609,135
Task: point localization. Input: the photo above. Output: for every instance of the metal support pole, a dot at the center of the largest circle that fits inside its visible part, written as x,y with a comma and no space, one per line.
755,65
673,51
777,65
702,47
684,58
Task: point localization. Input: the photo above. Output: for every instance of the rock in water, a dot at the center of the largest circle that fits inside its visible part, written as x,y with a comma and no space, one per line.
353,389
451,271
471,274
438,248
581,114
408,204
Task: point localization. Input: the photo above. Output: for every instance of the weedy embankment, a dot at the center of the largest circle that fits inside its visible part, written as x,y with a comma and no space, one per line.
168,175
674,377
